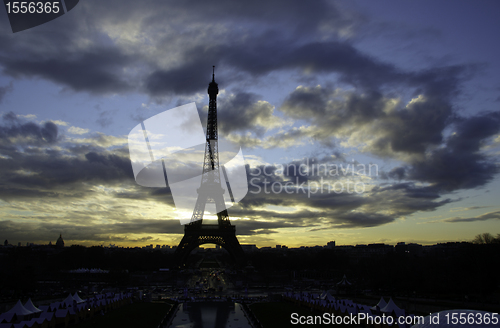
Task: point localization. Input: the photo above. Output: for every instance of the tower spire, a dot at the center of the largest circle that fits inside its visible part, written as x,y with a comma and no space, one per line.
213,73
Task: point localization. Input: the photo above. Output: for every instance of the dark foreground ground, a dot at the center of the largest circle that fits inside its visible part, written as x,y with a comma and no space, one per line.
136,315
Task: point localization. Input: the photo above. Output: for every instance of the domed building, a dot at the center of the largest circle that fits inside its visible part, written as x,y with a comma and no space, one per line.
60,242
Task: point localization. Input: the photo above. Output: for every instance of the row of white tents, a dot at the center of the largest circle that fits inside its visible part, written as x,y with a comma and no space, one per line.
71,309
325,302
464,318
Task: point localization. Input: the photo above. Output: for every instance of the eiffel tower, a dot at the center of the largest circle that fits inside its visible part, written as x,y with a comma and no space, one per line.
223,233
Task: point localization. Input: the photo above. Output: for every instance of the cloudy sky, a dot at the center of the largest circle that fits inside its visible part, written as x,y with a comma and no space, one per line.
406,93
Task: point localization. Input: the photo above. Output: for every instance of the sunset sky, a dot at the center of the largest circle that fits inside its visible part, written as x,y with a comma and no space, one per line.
409,89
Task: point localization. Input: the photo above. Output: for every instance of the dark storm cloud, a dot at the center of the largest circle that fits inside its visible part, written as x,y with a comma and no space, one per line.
313,219
95,70
472,132
56,170
410,130
307,218
4,90
317,57
483,217
31,166
243,112
10,117
413,132
88,52
340,210
303,17
361,220
188,79
38,134
460,164
261,38
268,53
418,127
298,218
70,185
411,190
405,198
328,208
254,41
60,176
259,227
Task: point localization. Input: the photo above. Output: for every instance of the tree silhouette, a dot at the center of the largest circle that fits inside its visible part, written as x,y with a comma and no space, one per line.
486,238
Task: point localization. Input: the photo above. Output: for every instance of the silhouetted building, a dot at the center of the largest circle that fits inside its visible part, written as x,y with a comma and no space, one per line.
249,248
412,248
60,242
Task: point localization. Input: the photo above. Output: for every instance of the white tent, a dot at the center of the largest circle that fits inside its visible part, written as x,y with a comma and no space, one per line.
77,298
327,296
31,307
20,310
69,300
381,304
390,307
344,282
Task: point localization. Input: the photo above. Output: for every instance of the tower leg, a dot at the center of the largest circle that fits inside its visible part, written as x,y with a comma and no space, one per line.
197,235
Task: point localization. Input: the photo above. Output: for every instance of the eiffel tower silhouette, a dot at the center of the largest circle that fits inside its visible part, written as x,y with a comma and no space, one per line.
223,233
